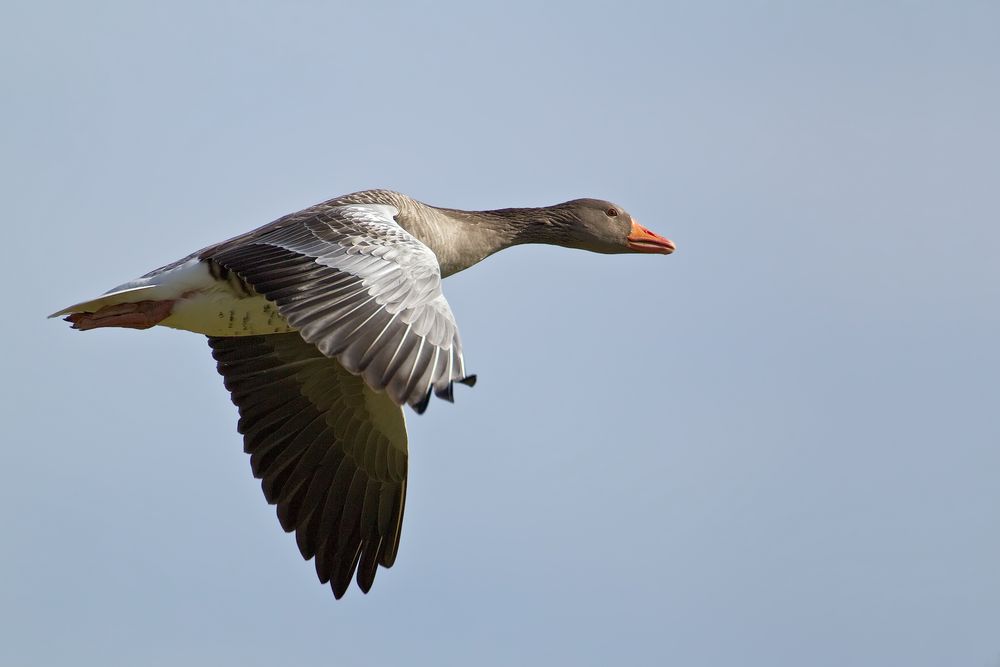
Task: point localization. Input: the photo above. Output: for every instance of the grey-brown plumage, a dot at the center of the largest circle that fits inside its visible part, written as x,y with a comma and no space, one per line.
361,289
323,323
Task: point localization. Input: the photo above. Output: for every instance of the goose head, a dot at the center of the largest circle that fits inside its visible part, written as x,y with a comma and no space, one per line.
601,226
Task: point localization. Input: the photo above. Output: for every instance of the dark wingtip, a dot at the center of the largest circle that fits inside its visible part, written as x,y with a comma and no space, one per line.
447,392
422,405
365,580
338,591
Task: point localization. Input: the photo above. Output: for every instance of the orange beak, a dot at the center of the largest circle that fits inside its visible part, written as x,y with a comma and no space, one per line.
641,239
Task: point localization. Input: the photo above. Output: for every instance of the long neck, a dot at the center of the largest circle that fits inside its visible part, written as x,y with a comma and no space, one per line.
463,238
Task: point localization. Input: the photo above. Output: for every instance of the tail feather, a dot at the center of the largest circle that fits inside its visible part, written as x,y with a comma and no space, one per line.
116,297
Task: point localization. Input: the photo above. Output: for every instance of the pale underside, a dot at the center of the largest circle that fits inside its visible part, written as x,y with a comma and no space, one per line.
203,303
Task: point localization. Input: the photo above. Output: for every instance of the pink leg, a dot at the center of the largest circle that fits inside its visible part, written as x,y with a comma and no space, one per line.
139,315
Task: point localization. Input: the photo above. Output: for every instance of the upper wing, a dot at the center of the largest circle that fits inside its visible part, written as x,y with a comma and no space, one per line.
361,289
330,451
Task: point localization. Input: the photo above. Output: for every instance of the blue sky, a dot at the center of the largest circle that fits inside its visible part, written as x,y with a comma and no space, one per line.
778,446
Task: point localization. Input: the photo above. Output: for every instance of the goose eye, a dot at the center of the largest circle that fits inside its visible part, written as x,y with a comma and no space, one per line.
612,212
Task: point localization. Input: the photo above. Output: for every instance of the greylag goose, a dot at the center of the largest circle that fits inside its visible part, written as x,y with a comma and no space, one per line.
323,324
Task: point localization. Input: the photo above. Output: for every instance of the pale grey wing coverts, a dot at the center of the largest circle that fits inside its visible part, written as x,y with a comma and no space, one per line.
361,289
330,451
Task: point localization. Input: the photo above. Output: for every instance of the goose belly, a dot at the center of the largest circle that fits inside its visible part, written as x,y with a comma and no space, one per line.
218,311
210,300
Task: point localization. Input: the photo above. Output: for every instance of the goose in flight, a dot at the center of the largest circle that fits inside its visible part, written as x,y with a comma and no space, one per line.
323,324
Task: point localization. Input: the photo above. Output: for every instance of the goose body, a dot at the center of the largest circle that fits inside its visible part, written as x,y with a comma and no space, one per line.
323,324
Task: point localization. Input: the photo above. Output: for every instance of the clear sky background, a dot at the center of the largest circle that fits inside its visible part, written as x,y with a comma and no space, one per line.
779,446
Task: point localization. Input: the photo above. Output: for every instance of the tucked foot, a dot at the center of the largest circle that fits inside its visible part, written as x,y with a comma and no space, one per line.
139,315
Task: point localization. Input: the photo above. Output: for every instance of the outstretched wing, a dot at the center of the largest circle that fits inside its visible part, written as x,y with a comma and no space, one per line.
361,289
330,451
